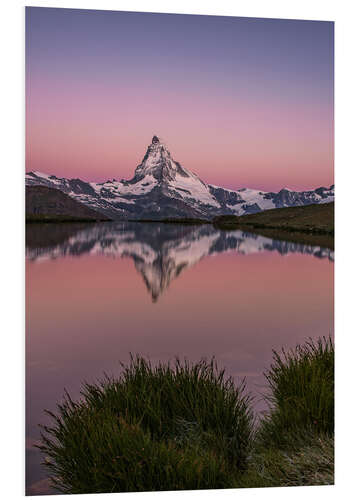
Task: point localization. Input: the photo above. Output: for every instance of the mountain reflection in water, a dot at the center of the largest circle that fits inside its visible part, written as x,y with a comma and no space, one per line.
160,251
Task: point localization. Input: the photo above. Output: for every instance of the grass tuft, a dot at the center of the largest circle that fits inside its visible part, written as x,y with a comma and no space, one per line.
311,464
180,426
301,399
187,426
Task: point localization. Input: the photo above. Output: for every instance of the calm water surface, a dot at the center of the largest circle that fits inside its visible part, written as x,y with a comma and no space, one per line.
97,292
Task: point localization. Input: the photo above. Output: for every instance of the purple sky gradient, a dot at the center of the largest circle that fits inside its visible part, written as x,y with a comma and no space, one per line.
239,101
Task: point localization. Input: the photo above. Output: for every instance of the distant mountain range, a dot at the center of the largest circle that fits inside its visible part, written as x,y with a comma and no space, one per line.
163,188
161,252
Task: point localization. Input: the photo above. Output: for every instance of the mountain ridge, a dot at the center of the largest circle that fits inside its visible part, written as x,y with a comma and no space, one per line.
161,187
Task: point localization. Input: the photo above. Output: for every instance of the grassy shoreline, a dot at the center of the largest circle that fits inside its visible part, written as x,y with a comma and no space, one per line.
189,426
303,238
309,224
41,219
188,221
311,219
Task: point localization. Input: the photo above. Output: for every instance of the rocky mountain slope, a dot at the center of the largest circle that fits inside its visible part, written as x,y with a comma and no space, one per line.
163,188
47,204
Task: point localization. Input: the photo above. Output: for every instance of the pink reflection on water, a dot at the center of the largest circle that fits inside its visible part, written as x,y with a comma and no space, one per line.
86,314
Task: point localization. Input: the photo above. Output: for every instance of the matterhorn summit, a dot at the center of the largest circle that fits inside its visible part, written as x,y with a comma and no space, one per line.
158,163
162,188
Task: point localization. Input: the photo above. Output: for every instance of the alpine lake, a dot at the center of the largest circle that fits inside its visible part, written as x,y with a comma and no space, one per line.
98,292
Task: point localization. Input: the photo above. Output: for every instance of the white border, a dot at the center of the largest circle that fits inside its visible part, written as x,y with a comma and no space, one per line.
12,248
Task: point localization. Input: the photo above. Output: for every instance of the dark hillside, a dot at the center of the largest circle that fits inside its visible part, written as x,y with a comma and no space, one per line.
44,204
318,219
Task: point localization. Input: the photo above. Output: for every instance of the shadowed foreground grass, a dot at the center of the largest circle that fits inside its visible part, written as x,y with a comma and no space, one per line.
177,426
301,395
294,442
187,426
310,462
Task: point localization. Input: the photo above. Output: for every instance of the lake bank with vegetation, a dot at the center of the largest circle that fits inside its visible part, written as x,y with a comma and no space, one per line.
53,219
302,238
307,225
189,426
310,224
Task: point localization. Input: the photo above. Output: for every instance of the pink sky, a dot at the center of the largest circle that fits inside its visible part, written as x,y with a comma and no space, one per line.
260,115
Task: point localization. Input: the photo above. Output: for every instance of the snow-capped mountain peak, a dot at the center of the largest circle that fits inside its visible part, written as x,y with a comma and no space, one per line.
159,164
162,188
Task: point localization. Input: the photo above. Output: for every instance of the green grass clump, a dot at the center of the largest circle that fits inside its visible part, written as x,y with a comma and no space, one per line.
301,383
98,453
180,426
187,426
307,464
294,442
